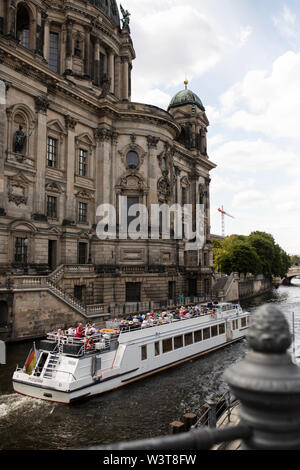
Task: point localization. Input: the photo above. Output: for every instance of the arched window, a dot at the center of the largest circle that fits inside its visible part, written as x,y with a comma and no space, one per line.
132,160
23,26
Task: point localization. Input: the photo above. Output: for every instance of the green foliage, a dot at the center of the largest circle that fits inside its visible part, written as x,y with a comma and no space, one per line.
256,254
295,260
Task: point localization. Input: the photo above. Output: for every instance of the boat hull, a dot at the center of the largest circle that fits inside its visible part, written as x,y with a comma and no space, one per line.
49,394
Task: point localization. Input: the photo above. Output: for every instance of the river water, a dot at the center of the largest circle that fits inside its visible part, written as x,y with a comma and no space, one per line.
137,411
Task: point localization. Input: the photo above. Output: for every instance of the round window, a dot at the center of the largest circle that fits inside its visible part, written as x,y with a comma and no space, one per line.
132,160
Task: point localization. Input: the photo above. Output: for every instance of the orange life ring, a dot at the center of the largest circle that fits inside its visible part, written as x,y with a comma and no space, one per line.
89,344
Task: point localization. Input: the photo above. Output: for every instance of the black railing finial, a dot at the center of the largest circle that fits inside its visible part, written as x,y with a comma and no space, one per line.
267,384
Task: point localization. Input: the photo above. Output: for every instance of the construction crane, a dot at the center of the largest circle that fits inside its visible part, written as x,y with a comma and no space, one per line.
223,213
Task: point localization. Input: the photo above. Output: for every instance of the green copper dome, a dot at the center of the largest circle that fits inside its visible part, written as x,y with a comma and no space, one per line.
109,7
185,97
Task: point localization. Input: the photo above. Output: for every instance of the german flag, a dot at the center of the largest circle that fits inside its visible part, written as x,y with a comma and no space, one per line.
31,360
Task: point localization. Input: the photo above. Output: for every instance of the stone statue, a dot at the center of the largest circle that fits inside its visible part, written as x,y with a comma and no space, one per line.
126,17
20,139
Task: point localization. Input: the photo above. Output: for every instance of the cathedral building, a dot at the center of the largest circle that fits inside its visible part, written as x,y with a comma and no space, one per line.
71,140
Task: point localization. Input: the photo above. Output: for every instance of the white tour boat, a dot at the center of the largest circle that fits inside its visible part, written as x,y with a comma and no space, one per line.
69,369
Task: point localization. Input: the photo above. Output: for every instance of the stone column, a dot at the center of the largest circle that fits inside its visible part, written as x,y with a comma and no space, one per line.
111,71
152,166
125,77
70,213
87,49
47,40
118,77
69,46
2,143
11,18
103,166
41,106
44,17
97,63
207,182
113,198
203,142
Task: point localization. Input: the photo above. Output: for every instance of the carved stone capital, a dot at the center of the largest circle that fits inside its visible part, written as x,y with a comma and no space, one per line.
41,104
152,141
177,171
102,135
70,122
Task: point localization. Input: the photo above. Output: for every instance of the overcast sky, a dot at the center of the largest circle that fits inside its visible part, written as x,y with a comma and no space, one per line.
242,58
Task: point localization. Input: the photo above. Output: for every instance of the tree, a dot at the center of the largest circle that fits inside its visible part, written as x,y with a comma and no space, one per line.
264,245
256,254
238,256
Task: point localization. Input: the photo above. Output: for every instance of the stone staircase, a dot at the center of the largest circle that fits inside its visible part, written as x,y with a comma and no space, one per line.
23,283
226,288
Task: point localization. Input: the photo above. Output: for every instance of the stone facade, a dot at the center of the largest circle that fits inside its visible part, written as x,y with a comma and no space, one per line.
67,126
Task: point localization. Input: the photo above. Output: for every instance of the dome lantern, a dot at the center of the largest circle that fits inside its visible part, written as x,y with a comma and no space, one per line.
185,97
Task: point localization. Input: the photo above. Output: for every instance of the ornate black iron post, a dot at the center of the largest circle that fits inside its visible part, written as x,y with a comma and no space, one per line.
267,383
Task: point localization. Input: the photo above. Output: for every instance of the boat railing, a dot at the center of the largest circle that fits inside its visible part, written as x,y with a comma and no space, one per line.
85,345
217,315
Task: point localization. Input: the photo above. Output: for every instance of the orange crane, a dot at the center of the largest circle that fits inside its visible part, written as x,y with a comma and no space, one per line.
223,219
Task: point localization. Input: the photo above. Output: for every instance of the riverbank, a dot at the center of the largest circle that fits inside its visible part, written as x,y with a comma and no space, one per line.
30,424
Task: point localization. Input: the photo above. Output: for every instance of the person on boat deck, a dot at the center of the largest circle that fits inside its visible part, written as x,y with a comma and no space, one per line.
59,333
93,329
79,331
71,331
88,330
129,318
140,318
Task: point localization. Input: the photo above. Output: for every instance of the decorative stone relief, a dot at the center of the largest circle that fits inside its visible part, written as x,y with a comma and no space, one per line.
18,190
131,181
82,194
164,187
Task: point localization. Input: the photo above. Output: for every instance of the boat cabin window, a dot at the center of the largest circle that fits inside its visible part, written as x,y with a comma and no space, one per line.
198,336
178,342
144,352
206,333
222,329
167,345
188,339
156,349
235,324
243,322
214,331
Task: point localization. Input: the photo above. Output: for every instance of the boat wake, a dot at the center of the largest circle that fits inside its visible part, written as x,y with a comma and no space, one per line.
12,404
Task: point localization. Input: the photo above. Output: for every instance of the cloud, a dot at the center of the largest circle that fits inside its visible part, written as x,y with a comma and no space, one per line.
225,184
252,156
266,102
175,39
244,35
285,23
251,199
